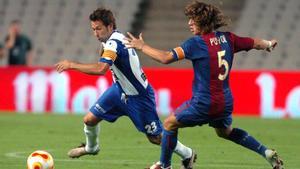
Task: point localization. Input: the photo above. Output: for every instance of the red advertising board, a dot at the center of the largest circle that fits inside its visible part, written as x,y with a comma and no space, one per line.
256,93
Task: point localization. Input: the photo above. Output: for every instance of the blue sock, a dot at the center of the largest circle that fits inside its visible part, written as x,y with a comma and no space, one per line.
242,138
168,144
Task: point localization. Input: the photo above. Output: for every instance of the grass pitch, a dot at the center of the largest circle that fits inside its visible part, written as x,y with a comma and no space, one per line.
122,147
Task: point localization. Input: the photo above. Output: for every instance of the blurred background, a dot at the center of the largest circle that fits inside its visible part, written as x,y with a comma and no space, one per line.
60,28
266,86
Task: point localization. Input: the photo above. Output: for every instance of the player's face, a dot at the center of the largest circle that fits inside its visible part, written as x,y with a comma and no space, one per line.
101,31
15,27
193,27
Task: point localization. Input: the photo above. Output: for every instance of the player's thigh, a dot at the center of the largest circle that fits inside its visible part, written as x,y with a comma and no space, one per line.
223,123
110,106
142,112
188,116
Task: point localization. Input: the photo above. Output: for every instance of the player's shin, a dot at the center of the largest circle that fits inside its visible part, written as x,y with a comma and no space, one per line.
242,138
91,134
168,144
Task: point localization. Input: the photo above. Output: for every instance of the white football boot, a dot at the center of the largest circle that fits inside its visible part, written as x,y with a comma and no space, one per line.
189,162
273,158
157,165
80,151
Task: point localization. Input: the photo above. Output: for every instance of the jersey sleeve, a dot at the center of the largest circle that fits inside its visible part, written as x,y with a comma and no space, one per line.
109,54
178,53
193,48
183,51
241,43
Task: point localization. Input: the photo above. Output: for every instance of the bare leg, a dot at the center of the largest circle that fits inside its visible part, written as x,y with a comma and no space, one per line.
91,131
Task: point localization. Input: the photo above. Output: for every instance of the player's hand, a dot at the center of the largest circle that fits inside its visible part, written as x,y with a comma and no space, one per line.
63,65
11,32
133,42
272,45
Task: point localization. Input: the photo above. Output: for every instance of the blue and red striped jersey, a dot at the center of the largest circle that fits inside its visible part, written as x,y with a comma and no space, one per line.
212,56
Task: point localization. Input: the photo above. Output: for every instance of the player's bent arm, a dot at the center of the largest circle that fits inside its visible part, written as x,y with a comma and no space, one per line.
161,56
261,44
99,68
10,42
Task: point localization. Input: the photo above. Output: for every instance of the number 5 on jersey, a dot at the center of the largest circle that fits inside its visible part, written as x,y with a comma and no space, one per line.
222,62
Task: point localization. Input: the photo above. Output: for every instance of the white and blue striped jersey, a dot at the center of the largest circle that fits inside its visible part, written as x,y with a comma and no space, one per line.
124,64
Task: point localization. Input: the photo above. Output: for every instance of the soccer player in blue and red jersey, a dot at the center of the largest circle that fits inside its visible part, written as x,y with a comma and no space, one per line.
211,53
130,95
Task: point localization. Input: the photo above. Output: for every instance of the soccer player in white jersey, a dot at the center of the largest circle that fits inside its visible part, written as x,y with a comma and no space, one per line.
130,95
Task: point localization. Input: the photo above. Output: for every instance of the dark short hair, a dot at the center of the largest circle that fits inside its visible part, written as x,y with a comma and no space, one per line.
104,15
207,17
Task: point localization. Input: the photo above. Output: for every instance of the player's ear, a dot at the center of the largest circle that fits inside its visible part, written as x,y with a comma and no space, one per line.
111,27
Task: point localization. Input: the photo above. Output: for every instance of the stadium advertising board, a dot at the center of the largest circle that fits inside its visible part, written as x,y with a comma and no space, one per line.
270,94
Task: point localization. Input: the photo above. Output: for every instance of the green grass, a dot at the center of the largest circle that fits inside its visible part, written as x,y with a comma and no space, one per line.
123,147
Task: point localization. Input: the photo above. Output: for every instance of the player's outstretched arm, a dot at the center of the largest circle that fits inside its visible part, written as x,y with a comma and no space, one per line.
99,68
161,56
261,44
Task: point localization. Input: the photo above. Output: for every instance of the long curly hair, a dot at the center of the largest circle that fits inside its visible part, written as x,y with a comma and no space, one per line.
207,17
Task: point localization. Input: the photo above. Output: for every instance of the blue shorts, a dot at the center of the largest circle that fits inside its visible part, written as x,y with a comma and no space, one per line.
141,109
191,115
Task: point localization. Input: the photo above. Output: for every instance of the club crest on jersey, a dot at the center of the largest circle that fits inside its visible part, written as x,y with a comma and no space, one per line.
111,45
217,40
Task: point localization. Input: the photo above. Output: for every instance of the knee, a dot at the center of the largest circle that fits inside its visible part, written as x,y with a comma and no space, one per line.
223,133
155,140
90,120
170,124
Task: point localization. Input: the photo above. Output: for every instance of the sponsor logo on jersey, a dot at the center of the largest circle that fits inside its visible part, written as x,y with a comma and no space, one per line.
99,108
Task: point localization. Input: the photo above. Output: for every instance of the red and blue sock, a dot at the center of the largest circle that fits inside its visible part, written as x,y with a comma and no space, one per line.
242,138
168,144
